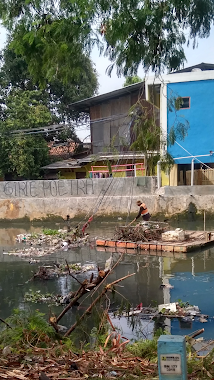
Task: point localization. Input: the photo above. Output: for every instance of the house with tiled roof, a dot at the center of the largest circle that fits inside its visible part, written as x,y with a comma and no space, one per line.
63,151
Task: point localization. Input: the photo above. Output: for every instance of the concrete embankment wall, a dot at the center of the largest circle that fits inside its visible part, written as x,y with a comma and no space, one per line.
41,199
105,196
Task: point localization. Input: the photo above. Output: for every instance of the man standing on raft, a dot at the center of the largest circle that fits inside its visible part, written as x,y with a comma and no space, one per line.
143,211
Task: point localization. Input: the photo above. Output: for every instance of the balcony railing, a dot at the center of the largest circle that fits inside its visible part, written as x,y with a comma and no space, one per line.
128,169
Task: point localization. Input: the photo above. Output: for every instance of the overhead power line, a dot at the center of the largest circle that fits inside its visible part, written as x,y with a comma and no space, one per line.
47,129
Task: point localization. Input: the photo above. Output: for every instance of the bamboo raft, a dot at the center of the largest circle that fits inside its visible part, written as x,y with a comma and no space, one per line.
194,240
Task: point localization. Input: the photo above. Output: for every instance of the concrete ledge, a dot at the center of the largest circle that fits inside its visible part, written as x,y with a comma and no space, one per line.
186,190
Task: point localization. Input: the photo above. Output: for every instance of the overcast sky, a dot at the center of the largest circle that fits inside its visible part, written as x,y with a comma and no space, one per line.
204,52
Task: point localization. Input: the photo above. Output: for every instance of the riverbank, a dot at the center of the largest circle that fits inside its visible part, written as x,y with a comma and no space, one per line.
31,349
38,353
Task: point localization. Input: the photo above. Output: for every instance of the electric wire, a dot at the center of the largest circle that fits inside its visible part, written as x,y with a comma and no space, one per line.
192,156
94,209
121,158
115,188
130,201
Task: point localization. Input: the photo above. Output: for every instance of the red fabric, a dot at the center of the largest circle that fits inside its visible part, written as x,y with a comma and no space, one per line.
84,227
87,224
139,307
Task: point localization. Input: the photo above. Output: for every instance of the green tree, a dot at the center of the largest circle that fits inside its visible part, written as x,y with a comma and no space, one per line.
153,33
25,110
15,80
146,133
56,95
132,80
54,37
23,153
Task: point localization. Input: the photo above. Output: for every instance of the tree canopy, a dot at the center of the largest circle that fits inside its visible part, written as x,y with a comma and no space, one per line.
132,80
25,108
56,94
21,153
56,37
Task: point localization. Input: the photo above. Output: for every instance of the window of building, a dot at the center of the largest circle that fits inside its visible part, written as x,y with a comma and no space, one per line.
185,102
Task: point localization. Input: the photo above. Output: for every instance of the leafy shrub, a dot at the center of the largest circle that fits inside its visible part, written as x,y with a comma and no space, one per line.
147,348
48,231
144,348
26,327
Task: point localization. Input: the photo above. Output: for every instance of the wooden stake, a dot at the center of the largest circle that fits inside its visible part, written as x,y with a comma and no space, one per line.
204,221
70,274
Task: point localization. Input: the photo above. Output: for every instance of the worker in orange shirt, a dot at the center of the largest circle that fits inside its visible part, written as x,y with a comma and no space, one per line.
143,211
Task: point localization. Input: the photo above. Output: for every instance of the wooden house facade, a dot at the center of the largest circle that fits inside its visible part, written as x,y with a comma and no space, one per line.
111,117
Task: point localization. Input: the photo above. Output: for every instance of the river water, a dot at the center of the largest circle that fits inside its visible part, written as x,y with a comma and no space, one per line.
191,275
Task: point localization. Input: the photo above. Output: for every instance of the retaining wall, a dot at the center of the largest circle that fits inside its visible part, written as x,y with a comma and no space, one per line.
43,198
105,196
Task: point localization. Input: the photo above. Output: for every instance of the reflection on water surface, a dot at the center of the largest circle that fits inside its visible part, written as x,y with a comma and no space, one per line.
192,276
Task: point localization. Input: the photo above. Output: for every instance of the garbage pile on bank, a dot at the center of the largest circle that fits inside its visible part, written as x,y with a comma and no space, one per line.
57,362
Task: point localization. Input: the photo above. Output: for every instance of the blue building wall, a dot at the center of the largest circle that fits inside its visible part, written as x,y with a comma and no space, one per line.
200,115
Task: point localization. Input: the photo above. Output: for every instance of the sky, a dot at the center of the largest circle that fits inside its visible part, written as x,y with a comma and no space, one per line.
204,52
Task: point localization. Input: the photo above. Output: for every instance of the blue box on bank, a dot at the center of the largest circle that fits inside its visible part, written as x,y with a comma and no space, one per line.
172,357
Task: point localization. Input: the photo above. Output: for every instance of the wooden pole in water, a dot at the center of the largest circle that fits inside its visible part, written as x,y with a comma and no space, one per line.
204,221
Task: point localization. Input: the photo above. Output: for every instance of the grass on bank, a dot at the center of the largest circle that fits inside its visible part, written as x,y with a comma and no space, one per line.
29,332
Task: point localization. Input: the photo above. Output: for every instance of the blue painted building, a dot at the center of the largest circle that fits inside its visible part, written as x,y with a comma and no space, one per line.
197,110
192,89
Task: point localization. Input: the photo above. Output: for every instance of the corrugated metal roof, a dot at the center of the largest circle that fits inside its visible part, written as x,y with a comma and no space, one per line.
85,104
77,164
64,164
120,156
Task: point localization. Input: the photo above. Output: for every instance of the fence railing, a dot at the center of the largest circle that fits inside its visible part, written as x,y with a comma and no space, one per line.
128,169
201,177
